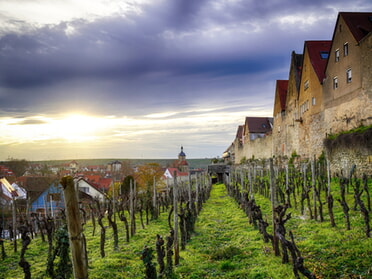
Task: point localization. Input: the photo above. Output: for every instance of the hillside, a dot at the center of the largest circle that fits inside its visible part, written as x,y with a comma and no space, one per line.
224,245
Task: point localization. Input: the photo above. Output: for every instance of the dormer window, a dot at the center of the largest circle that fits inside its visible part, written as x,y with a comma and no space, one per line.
324,54
346,49
337,55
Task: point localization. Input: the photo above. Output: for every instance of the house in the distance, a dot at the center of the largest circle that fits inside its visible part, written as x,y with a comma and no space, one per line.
179,168
50,202
89,189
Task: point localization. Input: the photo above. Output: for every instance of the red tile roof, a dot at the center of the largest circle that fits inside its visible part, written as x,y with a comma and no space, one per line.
258,124
315,48
360,24
239,132
105,183
282,86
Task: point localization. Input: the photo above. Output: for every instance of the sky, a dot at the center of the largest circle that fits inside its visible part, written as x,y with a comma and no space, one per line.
83,79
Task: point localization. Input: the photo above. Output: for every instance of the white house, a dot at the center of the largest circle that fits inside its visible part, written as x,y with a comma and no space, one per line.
87,188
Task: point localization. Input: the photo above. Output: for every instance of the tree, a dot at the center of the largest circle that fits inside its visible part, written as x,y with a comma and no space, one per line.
125,185
19,167
145,175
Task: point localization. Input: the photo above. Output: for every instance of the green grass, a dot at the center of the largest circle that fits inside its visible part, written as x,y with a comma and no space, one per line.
225,245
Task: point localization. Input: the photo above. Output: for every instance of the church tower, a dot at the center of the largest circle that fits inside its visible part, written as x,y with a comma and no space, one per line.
181,163
181,155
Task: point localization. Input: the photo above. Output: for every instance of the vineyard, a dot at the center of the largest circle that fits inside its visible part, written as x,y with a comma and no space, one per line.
319,228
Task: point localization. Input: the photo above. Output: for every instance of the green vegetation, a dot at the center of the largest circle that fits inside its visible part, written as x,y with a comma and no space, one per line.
361,129
224,245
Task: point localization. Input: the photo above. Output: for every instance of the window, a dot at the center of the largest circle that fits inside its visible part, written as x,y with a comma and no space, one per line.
306,84
348,75
84,189
346,49
313,101
335,83
324,54
337,55
304,107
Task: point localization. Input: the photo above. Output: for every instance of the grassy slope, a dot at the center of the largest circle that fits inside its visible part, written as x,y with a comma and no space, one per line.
224,246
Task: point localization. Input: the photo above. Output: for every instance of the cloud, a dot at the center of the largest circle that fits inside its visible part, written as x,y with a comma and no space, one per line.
166,59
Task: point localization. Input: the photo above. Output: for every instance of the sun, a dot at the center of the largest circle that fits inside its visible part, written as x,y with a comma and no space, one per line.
77,127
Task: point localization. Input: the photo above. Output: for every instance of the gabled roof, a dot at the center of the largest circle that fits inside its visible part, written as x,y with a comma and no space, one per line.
34,185
315,49
360,24
260,125
7,190
169,172
282,89
239,132
296,67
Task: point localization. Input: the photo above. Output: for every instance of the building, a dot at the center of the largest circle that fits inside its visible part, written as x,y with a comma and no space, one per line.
328,91
310,99
279,129
347,86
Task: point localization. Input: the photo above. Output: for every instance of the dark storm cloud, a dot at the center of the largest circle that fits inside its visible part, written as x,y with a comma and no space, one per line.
169,52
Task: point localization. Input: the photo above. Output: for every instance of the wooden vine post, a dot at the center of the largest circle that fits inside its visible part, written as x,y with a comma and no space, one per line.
197,193
154,200
75,229
313,184
190,190
132,208
273,205
175,216
14,218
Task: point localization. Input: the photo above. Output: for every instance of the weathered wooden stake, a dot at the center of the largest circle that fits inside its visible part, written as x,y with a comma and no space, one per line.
131,205
14,224
75,230
154,202
197,193
175,216
313,183
189,191
273,205
329,177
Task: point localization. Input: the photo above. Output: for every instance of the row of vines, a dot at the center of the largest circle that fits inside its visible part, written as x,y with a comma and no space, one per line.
65,234
304,188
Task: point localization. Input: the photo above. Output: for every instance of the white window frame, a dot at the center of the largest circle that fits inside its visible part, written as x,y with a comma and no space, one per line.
349,75
306,84
346,49
335,82
337,55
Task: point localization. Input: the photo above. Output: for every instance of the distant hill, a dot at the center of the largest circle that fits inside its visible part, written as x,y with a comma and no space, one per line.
193,163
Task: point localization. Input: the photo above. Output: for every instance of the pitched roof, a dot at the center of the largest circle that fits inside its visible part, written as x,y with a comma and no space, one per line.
315,50
7,190
105,183
239,132
296,65
169,172
282,87
360,24
34,185
258,124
